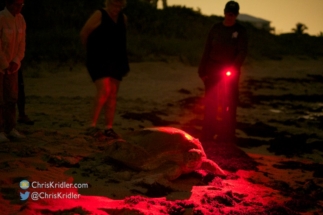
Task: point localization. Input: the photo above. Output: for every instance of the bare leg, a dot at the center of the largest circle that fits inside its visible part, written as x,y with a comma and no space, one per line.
110,105
100,99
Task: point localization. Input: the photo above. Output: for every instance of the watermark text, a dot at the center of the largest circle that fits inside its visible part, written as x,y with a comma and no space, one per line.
62,185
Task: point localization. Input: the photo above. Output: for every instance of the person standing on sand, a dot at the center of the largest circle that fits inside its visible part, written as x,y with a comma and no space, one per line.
225,50
12,51
104,36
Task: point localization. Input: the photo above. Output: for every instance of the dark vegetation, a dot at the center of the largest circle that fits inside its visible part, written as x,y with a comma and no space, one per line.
53,28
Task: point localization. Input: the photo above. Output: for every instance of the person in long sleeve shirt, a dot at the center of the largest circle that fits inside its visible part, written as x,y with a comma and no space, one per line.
12,51
225,50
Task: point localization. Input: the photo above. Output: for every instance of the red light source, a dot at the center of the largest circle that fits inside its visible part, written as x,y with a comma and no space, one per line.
228,73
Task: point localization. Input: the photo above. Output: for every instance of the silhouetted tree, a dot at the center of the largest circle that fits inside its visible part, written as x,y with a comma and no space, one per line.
300,28
154,3
320,34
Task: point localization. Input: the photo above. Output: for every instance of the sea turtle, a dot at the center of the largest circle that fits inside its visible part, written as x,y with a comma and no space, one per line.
164,150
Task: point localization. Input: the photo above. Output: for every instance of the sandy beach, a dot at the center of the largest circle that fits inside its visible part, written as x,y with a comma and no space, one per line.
276,167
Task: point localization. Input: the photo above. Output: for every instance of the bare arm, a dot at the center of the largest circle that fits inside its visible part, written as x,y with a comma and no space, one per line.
92,23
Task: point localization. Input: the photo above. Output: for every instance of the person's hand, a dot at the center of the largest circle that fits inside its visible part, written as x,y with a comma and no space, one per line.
13,67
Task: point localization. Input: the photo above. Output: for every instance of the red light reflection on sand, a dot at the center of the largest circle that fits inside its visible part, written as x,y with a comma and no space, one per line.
240,188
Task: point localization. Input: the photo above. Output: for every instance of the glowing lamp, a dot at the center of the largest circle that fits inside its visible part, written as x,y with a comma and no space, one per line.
228,73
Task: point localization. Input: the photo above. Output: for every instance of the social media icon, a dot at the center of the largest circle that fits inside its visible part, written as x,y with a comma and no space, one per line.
24,196
24,184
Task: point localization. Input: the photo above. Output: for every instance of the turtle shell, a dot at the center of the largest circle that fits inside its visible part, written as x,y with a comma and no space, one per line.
150,148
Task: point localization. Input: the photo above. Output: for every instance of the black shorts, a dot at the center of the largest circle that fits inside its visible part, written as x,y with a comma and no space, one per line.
102,71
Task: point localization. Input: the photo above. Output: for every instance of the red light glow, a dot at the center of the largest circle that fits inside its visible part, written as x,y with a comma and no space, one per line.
228,73
172,130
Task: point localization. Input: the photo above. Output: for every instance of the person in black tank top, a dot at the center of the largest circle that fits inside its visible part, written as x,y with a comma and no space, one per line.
104,36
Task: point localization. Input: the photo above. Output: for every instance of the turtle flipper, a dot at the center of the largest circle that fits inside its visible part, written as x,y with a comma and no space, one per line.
211,166
173,172
169,170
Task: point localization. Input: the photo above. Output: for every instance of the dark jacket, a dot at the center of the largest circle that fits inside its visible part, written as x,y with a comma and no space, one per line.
225,47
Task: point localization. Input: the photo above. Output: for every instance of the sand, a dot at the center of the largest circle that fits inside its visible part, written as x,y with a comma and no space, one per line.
276,167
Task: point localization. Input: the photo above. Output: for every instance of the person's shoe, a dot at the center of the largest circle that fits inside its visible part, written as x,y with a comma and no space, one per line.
93,131
3,138
25,120
111,134
15,134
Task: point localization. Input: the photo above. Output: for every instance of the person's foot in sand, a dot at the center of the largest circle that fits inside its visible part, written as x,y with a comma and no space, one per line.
16,134
107,134
111,134
3,138
94,131
106,98
25,120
